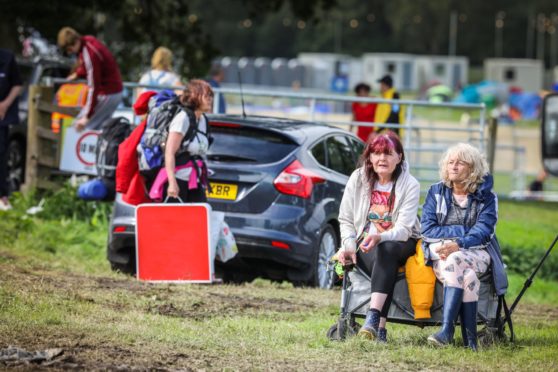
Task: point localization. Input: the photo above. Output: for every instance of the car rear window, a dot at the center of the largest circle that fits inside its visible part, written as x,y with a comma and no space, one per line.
250,145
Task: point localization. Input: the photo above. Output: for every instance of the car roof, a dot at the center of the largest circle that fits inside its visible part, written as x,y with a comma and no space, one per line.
298,130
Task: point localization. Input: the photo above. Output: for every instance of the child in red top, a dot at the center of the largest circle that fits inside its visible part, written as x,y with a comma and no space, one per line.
363,111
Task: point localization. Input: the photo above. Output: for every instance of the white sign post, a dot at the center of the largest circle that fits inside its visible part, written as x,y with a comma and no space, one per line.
78,151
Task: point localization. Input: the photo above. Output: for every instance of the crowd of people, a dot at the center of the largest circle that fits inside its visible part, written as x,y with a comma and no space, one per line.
378,217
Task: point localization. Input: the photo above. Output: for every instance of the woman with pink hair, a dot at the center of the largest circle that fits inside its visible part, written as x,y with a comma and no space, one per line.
379,224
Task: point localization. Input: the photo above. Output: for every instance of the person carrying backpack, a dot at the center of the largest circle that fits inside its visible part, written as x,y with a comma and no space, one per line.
184,174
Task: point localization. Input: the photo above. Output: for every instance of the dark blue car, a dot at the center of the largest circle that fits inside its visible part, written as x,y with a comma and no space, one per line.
280,183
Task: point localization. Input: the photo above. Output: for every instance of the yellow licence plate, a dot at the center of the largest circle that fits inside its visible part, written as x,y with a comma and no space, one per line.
222,191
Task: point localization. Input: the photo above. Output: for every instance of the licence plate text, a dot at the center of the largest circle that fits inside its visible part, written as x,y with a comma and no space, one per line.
222,191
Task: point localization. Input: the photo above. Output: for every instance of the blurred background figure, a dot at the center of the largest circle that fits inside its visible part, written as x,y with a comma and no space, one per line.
216,77
385,112
364,112
161,72
10,88
97,64
537,185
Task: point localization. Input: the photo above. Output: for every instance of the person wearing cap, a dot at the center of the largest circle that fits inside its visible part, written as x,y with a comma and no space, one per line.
385,112
364,112
98,66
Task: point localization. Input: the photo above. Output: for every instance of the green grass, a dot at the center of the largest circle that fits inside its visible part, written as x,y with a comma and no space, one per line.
57,290
527,224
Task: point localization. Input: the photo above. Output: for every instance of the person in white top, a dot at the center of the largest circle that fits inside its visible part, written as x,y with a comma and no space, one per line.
379,224
184,155
161,73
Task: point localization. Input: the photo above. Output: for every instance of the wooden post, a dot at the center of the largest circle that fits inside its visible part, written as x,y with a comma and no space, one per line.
42,144
491,148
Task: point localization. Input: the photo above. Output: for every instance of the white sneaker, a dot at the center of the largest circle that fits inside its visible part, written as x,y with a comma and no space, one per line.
5,204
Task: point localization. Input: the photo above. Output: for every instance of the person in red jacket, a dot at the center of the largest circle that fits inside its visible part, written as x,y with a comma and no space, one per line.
364,112
98,66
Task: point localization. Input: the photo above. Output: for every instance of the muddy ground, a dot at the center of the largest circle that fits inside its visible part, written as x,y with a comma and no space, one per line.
84,351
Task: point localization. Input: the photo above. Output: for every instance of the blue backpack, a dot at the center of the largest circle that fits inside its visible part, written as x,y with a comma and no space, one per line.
164,107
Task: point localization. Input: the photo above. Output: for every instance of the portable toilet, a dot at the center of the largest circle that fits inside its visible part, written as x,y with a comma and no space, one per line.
247,70
264,75
295,73
401,67
450,71
230,69
323,70
527,74
280,72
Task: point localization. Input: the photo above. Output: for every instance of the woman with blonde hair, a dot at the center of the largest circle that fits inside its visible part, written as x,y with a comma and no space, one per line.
458,228
161,71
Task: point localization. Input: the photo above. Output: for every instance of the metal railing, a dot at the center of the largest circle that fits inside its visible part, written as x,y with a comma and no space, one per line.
422,136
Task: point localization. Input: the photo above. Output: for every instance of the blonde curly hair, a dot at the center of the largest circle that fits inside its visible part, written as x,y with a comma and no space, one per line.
473,157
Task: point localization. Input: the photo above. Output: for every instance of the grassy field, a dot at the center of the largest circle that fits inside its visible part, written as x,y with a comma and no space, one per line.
57,291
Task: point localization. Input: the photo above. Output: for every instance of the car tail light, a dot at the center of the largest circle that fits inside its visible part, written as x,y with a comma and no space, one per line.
119,229
297,180
281,245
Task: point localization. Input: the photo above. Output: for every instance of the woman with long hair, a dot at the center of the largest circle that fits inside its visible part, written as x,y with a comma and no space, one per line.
379,224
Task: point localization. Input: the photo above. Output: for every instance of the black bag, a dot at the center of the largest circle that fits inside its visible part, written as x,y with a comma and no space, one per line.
114,131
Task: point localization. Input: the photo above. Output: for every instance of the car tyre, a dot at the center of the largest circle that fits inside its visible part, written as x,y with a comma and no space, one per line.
127,268
327,246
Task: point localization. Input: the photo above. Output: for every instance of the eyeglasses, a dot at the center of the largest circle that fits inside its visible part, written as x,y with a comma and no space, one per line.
373,216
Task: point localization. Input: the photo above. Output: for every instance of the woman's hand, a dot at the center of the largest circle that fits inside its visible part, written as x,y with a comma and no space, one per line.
446,249
370,242
173,189
346,257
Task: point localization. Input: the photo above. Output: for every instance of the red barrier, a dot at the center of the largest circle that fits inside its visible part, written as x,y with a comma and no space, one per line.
172,243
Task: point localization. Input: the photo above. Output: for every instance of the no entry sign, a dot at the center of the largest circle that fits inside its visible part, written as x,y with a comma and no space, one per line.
78,151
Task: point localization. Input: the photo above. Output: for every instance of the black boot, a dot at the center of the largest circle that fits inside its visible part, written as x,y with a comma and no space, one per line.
370,327
452,305
382,335
469,324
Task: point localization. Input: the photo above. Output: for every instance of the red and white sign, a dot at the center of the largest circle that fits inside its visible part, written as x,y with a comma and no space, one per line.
78,151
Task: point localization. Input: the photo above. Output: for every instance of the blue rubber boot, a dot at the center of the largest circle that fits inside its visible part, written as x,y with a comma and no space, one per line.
382,335
469,324
369,329
452,305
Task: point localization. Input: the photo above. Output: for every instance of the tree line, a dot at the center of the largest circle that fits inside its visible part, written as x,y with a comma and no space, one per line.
199,30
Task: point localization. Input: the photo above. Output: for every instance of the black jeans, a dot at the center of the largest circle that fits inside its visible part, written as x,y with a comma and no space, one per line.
383,263
4,131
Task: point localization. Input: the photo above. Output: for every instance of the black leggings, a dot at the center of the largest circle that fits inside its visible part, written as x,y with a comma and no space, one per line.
383,263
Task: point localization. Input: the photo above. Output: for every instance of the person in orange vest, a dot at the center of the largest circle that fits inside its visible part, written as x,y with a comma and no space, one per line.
385,112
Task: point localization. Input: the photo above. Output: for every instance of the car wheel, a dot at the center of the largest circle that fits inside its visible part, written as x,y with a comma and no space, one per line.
16,164
327,246
127,268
